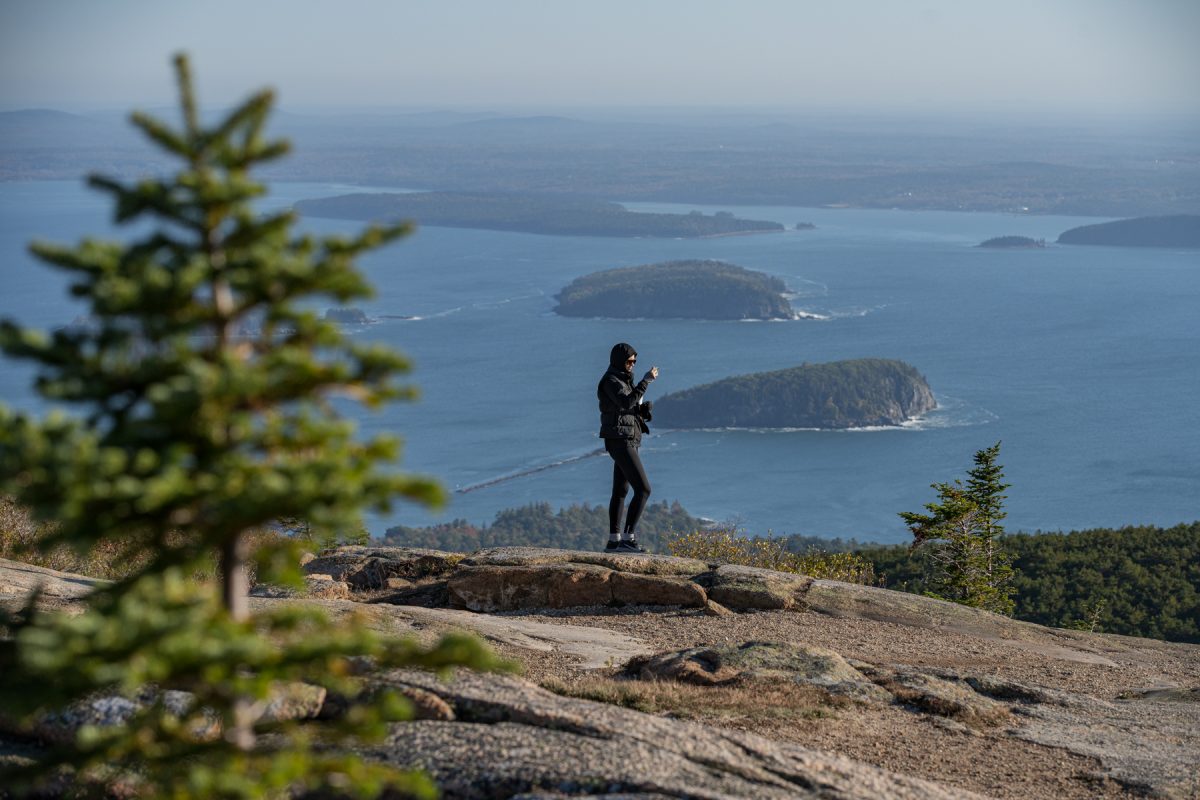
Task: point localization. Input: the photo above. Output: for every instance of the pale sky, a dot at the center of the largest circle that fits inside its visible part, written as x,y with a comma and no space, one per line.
876,55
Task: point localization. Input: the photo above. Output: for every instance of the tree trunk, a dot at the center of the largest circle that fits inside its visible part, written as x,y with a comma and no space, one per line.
235,589
235,579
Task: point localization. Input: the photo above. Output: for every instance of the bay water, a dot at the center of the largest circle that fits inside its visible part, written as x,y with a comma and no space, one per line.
1083,361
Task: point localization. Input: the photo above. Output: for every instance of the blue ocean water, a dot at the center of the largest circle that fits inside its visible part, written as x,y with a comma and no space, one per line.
1084,361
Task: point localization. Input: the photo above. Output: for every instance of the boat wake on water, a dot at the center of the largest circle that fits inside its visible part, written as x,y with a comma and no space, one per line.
483,304
522,473
419,317
507,300
824,315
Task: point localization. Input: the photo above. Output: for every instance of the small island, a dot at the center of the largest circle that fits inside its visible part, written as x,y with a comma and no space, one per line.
1012,243
347,316
1178,230
676,290
805,226
559,215
860,393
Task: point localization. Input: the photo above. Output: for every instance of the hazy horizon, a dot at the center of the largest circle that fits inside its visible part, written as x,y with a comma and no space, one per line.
1060,58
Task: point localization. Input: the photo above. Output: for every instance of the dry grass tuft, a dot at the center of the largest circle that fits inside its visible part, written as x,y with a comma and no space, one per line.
23,538
724,546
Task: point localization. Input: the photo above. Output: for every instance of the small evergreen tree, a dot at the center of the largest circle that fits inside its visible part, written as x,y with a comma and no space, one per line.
206,387
985,487
960,531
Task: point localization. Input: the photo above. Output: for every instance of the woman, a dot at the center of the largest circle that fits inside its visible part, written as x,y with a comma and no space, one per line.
623,418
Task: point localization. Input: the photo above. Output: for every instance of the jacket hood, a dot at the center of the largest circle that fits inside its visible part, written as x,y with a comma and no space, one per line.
621,353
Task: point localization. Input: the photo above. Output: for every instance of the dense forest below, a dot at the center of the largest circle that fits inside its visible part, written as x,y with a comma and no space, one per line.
676,290
842,394
576,527
1140,581
1178,230
560,216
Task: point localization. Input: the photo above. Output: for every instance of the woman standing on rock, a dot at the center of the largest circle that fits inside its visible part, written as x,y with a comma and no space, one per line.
623,418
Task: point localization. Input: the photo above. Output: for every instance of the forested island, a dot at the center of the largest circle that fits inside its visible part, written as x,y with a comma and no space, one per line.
1177,230
843,394
1012,243
528,213
697,289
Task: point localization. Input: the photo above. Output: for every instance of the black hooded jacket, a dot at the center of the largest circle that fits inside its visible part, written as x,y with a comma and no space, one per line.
620,399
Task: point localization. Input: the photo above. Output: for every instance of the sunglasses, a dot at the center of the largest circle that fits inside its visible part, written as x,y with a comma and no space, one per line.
631,361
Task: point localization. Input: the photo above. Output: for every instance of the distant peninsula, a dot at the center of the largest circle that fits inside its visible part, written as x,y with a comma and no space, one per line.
676,290
1179,230
1012,243
527,213
860,393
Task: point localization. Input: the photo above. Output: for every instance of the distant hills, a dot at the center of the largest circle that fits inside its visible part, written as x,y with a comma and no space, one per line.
42,129
546,214
859,393
676,290
1179,230
708,157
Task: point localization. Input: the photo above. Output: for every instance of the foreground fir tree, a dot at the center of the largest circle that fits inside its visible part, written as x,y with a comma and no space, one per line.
960,533
204,386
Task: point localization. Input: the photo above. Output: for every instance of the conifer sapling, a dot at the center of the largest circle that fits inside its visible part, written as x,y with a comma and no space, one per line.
204,382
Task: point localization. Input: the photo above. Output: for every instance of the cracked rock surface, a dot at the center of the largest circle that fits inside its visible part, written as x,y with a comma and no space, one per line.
901,695
513,737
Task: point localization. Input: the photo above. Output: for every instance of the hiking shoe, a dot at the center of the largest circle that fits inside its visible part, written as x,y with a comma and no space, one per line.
611,546
630,546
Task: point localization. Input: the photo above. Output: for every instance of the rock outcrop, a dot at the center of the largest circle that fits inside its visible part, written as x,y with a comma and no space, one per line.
745,588
491,588
569,747
755,661
19,580
371,567
319,586
1120,716
286,701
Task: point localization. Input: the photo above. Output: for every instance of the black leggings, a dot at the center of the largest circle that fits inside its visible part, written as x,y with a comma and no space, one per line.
627,471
